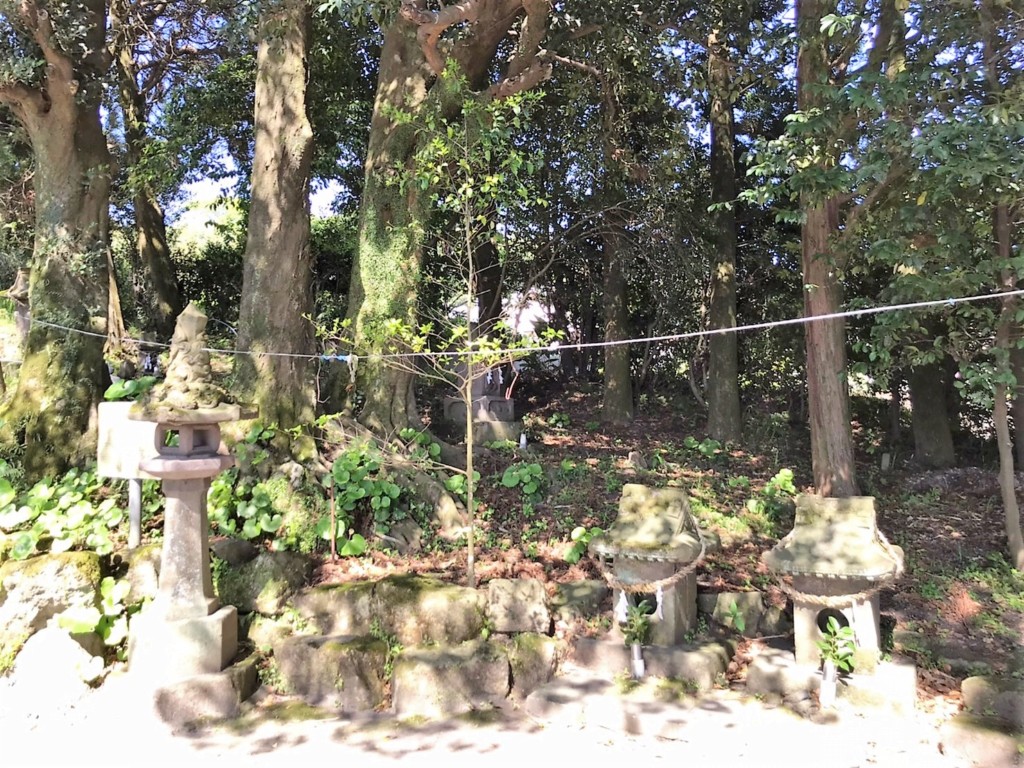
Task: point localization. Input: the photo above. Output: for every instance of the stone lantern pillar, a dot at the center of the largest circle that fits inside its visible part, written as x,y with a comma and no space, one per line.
185,631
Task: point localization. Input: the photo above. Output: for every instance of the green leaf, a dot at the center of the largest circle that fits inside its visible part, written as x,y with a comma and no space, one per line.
271,523
24,545
251,529
116,631
354,547
79,619
322,529
14,517
7,492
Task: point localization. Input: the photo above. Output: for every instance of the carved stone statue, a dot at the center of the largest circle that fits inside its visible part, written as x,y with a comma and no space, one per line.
188,384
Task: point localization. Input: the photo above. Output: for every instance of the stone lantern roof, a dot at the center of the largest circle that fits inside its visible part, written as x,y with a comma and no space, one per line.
836,538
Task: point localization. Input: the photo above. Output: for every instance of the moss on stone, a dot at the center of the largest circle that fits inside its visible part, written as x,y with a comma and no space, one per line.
360,644
10,647
300,512
87,564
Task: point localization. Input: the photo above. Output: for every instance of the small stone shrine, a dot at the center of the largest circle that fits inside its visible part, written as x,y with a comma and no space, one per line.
651,552
185,631
493,413
833,563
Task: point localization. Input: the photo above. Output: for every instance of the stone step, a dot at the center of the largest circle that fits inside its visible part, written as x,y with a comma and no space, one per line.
339,672
892,684
699,663
415,609
1001,697
977,740
437,682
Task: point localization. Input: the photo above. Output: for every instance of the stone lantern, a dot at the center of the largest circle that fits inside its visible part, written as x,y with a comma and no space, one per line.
185,632
834,561
651,552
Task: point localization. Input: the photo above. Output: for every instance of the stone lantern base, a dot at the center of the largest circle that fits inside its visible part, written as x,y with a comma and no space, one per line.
810,619
170,650
678,602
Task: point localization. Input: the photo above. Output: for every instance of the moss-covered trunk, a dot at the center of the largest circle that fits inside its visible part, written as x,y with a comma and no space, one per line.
52,412
392,226
277,285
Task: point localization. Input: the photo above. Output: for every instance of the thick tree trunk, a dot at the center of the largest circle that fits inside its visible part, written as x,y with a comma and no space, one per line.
388,261
618,379
933,439
723,392
52,414
277,294
828,398
159,298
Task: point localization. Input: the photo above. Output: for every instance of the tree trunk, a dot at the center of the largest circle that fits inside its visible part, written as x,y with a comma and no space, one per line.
618,381
933,439
828,399
52,413
1006,332
277,294
1017,404
389,258
160,300
723,393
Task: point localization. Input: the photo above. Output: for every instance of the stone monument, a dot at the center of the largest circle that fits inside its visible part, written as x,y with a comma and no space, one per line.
834,561
493,413
185,632
651,552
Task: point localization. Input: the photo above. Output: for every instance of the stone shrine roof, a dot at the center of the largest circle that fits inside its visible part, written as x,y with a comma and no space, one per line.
833,538
653,524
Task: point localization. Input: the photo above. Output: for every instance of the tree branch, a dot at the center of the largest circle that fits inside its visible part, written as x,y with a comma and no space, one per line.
432,24
37,20
531,35
896,173
538,71
22,99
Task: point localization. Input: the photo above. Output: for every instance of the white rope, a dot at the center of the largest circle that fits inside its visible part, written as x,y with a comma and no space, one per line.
554,347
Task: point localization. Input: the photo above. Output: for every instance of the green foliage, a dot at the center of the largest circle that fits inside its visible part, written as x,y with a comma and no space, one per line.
242,510
770,502
390,639
709,448
70,513
559,420
129,389
736,618
581,537
422,447
838,645
361,485
109,620
254,450
637,626
529,477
